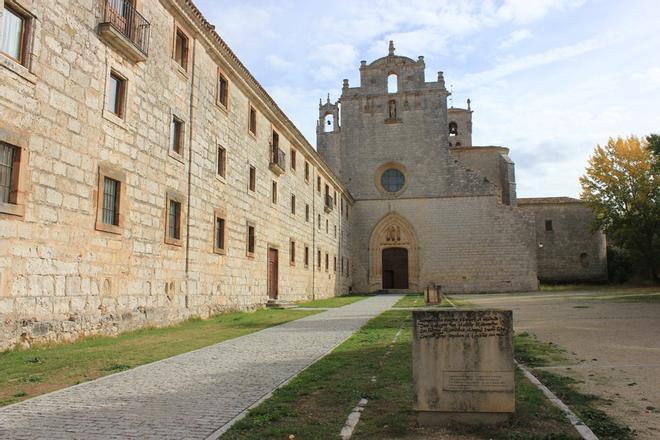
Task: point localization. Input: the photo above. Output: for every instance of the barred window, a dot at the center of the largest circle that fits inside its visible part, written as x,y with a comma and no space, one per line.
110,209
174,220
250,240
9,156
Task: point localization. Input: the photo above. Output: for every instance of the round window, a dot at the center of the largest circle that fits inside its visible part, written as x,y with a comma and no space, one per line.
392,180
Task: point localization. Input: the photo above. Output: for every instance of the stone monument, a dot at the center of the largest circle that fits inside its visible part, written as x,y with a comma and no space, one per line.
463,367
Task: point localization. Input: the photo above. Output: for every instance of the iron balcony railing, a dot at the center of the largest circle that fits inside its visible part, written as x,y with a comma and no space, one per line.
122,16
277,159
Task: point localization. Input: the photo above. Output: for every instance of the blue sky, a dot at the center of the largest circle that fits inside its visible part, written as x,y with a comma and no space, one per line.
549,79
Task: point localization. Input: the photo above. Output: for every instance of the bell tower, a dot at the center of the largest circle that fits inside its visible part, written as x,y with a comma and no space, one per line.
328,131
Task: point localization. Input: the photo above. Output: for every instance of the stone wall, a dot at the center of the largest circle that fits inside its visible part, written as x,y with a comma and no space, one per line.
494,164
464,244
60,276
567,249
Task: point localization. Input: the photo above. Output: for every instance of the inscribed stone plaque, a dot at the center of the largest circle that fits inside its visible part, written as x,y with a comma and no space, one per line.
463,365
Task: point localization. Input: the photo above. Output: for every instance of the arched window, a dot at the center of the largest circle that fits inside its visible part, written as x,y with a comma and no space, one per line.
392,83
453,128
328,123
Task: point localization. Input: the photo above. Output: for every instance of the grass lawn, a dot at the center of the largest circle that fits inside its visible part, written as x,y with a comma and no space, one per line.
38,370
417,300
316,403
534,353
336,301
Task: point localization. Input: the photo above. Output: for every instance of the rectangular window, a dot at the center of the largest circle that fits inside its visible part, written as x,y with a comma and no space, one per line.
306,256
250,240
116,94
275,140
223,90
306,212
292,253
110,209
252,121
293,160
334,264
318,183
9,159
181,49
177,135
335,231
335,198
319,221
252,182
548,225
219,233
327,226
174,220
221,161
293,204
327,261
274,193
14,26
306,171
342,264
318,259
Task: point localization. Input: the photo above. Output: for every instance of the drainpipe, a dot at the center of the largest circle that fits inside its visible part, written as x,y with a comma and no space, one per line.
314,262
190,158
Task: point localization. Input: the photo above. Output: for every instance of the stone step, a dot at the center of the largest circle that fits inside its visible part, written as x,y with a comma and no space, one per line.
279,304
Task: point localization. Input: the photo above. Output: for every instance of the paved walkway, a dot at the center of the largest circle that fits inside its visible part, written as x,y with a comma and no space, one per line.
191,395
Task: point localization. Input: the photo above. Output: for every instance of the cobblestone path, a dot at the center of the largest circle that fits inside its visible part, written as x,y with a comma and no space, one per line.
192,395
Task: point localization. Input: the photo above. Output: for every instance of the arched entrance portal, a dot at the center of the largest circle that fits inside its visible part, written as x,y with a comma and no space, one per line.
395,268
393,255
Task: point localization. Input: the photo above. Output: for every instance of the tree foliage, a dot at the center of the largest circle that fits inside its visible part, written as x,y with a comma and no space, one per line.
622,186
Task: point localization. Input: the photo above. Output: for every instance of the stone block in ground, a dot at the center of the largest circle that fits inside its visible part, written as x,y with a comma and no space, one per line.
463,367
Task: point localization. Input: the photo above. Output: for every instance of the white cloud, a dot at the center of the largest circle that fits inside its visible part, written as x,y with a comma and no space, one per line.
278,63
515,37
525,11
531,61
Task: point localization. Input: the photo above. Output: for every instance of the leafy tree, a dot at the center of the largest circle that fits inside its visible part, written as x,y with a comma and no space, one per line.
654,144
622,186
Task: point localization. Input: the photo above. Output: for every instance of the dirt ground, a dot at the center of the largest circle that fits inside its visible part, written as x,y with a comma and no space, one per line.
614,347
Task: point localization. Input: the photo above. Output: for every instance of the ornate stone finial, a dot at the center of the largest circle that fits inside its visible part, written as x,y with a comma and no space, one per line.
345,84
328,101
441,78
420,59
363,63
469,104
320,102
391,47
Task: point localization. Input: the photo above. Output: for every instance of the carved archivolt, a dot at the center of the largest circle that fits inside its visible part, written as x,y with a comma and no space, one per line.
393,230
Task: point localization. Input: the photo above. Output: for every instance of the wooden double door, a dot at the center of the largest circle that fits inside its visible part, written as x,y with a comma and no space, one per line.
395,268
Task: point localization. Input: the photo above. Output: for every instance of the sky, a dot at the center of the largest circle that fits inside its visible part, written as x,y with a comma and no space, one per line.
549,79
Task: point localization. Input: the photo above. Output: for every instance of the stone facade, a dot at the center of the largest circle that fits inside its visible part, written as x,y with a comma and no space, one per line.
62,272
455,208
567,248
154,102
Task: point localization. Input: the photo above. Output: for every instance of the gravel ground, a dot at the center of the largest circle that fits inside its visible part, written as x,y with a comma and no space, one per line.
613,347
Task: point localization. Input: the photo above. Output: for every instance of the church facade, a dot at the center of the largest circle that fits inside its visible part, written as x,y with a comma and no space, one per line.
146,177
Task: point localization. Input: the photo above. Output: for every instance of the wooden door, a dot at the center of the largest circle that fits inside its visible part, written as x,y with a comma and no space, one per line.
272,273
395,268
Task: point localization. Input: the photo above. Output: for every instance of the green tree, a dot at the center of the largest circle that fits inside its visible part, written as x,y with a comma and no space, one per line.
654,144
622,186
